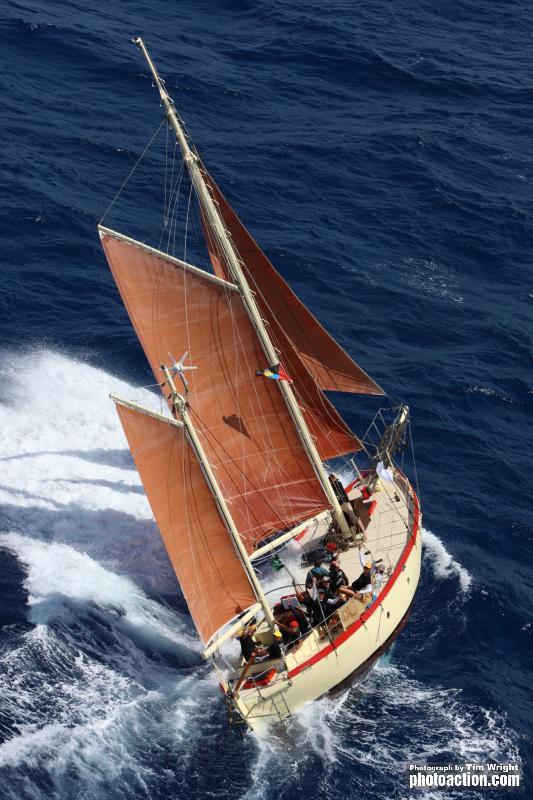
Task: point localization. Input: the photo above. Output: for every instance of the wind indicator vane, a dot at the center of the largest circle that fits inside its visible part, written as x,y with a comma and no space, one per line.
179,367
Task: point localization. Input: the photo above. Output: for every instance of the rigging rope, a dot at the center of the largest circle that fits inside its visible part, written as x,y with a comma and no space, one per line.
113,201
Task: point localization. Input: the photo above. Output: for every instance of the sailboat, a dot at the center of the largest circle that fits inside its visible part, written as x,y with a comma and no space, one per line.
238,473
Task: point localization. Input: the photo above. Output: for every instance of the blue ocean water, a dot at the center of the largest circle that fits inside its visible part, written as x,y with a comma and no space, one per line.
382,154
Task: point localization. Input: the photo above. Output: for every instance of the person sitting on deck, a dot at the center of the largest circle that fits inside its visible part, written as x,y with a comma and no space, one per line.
379,578
295,613
301,620
316,571
339,579
343,591
312,606
324,601
291,633
334,598
274,649
271,651
364,582
329,605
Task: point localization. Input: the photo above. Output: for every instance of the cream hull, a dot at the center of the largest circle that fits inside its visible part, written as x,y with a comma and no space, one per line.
323,661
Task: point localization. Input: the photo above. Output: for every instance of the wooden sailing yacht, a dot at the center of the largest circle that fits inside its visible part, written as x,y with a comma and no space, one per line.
239,472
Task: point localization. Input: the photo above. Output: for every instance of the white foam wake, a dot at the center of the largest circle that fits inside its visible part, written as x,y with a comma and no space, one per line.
69,490
444,565
59,574
66,474
83,691
85,725
389,720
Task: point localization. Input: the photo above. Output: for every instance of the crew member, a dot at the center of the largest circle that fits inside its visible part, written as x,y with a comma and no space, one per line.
364,582
338,578
248,646
316,571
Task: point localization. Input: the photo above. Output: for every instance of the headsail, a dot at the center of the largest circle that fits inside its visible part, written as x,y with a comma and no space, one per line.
211,576
332,435
324,359
242,421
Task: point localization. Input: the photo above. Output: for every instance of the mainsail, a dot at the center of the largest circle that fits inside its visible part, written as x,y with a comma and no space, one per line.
323,358
211,576
242,421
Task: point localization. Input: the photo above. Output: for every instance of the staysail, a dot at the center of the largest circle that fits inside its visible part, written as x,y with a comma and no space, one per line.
332,435
324,359
242,421
210,574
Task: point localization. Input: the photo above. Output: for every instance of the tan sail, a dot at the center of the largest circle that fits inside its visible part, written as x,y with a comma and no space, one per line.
211,576
332,435
323,357
243,423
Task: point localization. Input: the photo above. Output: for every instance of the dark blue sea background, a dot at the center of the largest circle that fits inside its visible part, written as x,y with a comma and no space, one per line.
382,154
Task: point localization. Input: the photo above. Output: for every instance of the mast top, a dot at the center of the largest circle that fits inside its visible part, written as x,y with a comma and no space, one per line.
216,223
168,103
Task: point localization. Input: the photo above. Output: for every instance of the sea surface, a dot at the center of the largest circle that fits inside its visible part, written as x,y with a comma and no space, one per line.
382,154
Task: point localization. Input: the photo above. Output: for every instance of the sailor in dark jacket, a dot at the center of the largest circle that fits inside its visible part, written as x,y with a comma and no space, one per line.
364,579
337,577
317,571
328,601
248,646
338,488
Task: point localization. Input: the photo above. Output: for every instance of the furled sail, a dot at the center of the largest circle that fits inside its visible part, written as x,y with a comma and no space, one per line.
211,576
242,421
323,357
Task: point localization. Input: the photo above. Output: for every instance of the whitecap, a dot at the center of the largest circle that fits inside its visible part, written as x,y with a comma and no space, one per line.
387,720
444,565
66,474
57,572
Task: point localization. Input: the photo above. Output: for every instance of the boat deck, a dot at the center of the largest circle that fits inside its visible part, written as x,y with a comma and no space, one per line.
387,532
386,536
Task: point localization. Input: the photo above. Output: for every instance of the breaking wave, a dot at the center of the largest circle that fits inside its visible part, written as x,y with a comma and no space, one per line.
387,721
105,664
443,564
66,472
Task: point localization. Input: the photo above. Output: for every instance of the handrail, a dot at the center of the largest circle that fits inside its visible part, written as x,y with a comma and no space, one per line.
255,676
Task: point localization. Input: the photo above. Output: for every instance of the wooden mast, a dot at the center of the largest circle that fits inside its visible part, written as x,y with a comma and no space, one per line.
215,220
180,406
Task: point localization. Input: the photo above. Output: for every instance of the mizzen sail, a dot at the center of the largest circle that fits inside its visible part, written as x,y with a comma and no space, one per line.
325,360
211,575
242,421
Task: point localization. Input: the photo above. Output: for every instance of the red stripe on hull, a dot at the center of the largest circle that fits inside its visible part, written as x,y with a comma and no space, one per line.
375,605
366,665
